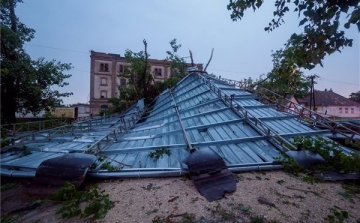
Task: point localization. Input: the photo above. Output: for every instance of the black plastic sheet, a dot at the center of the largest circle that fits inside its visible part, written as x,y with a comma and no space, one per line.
210,174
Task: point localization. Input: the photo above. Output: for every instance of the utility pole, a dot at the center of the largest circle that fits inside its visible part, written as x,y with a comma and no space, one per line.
312,91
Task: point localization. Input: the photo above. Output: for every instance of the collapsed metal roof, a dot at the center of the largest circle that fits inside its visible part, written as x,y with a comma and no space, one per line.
199,112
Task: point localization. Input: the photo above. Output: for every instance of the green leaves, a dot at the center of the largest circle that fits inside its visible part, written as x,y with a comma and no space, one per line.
157,154
355,96
97,204
178,64
26,83
321,35
335,159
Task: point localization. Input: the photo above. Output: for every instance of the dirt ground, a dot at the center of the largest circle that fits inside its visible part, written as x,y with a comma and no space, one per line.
260,197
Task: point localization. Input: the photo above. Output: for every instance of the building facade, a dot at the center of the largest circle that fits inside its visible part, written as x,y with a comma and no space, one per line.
104,80
334,105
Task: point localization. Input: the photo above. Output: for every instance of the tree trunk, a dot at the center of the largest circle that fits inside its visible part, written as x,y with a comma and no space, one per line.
8,91
145,71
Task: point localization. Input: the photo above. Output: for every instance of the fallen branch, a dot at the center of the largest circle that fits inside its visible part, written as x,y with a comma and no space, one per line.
114,160
306,191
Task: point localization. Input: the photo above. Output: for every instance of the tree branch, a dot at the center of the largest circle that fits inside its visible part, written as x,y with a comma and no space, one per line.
145,69
212,51
191,57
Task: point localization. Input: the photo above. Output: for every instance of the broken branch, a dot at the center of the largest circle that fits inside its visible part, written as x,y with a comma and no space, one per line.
212,51
191,57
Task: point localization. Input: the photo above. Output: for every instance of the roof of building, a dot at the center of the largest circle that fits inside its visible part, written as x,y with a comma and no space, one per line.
329,98
199,112
150,60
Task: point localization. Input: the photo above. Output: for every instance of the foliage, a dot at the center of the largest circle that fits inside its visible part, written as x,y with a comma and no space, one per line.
8,186
321,21
5,142
203,101
335,158
24,152
139,83
290,165
159,153
25,83
185,218
355,96
257,219
97,203
142,84
9,219
338,215
285,77
178,64
107,166
223,214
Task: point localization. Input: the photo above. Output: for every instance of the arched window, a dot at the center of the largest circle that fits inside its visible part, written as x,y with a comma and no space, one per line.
104,107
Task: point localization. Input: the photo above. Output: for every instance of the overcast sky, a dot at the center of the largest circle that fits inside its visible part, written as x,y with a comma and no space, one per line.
67,30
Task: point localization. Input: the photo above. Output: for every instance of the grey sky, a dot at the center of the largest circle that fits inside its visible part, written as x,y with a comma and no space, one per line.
67,30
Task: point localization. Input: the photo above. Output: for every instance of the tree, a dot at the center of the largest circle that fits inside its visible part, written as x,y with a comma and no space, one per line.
25,83
285,77
141,81
355,96
178,64
320,19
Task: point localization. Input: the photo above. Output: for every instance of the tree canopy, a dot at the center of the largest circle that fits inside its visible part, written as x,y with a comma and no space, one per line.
321,36
321,21
355,96
25,83
140,82
285,77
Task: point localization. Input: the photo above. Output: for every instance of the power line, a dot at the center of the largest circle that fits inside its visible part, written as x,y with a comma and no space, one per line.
237,72
342,82
49,47
80,71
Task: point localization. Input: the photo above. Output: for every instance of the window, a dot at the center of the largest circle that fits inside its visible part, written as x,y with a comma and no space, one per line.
340,110
157,72
352,110
103,81
346,110
104,67
103,94
121,68
122,82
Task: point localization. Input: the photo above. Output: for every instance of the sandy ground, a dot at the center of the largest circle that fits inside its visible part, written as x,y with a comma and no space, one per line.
177,200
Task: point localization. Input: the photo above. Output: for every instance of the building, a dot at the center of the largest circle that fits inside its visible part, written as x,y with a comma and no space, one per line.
331,104
83,109
104,80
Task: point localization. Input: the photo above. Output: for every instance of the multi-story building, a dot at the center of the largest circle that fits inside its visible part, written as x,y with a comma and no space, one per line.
104,79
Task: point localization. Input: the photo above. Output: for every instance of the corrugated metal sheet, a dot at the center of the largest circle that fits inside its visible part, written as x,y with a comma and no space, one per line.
214,114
